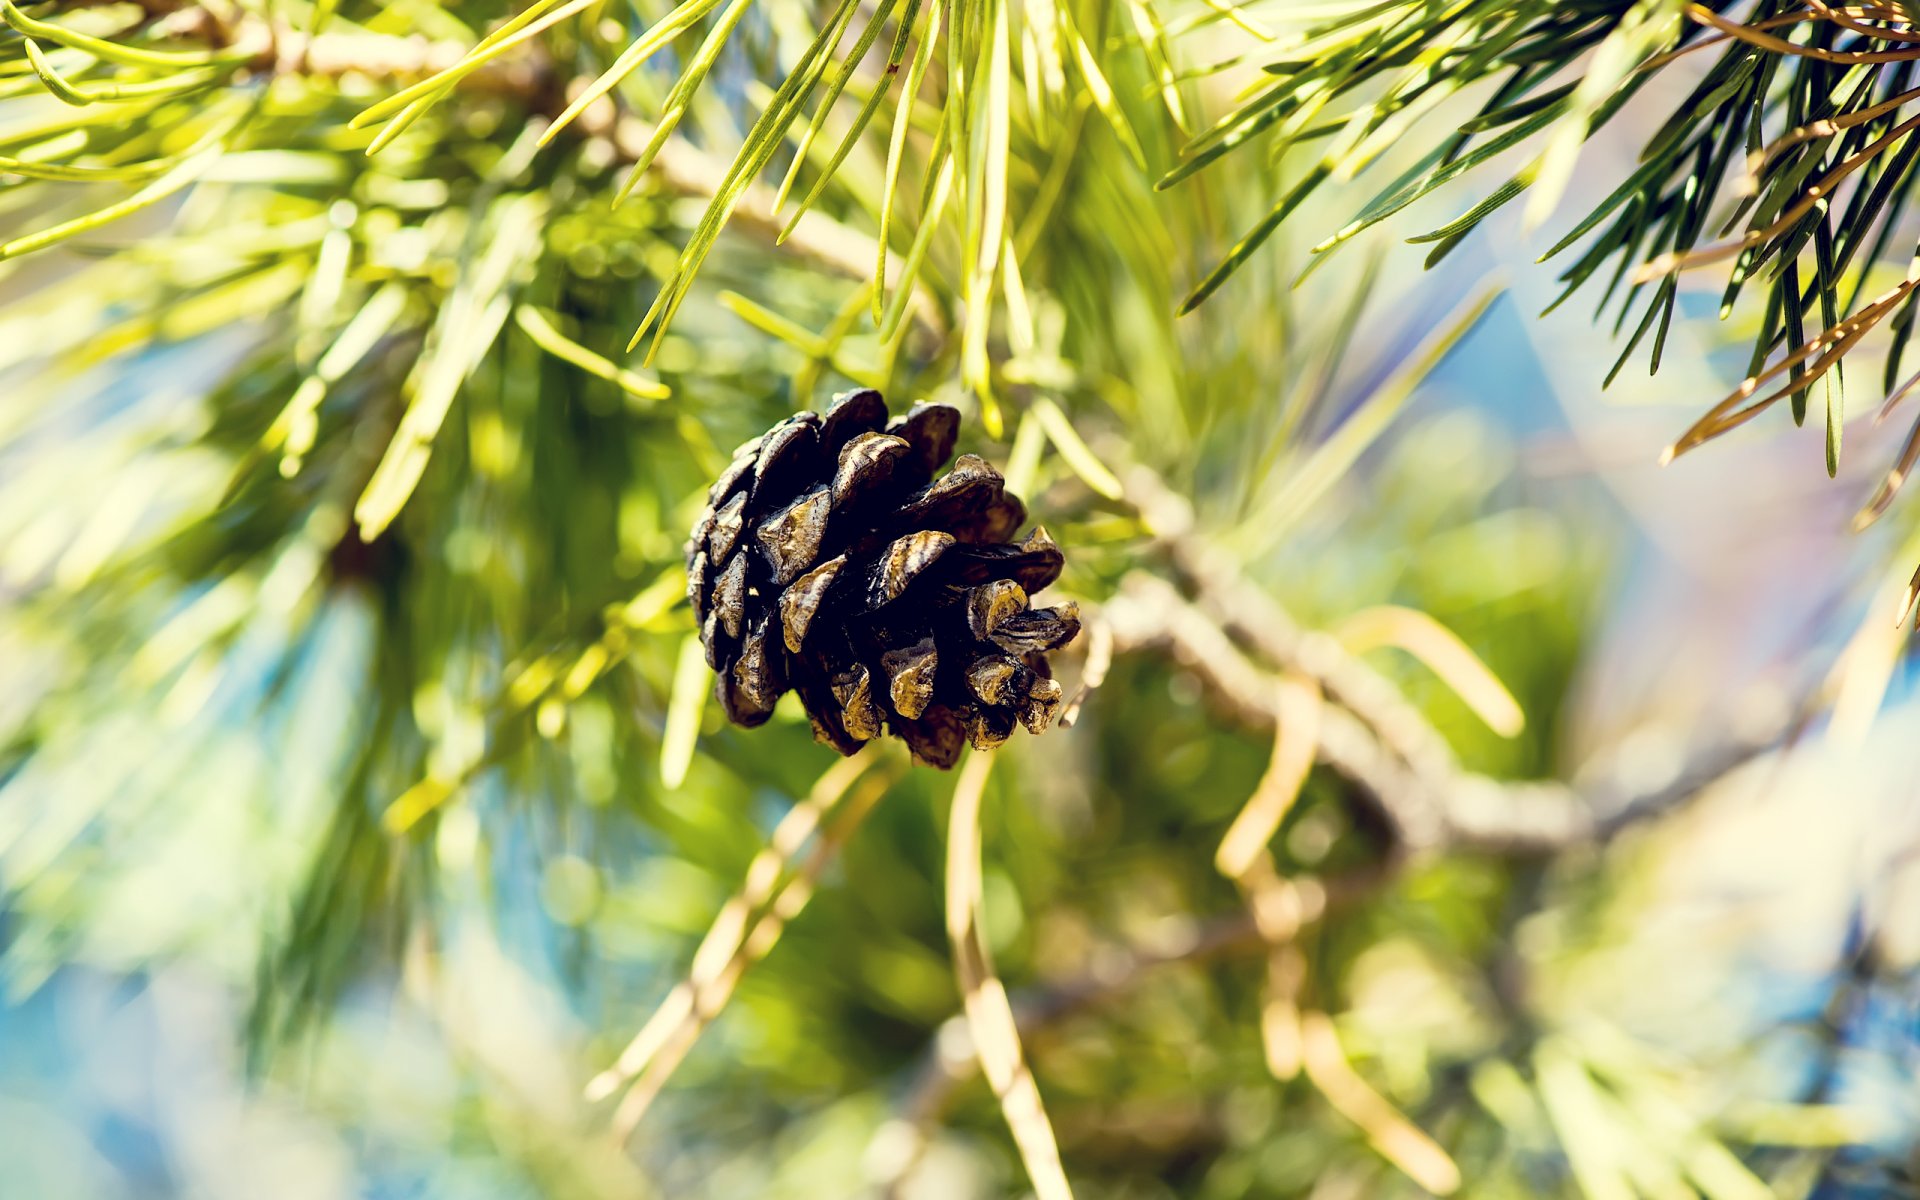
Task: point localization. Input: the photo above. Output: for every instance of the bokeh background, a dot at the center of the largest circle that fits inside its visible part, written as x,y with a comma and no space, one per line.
304,893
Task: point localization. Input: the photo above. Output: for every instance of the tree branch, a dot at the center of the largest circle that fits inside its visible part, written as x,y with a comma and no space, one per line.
1428,806
1370,733
275,48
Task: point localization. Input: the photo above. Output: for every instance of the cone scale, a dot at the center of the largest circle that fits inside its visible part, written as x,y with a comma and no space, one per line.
831,562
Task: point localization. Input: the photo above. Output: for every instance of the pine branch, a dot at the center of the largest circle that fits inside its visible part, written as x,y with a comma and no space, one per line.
1794,133
1370,734
1430,808
967,161
263,48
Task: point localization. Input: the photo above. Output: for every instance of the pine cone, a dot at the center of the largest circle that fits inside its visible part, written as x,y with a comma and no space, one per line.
830,561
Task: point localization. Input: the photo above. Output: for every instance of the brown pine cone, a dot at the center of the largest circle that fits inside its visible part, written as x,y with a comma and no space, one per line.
830,561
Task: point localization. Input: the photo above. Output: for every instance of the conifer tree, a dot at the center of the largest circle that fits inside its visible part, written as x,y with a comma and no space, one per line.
372,373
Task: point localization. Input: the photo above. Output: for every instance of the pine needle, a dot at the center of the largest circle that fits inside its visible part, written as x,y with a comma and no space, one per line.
1443,653
996,1037
1397,1139
685,704
466,328
538,327
174,180
1296,737
1074,451
775,890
